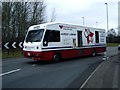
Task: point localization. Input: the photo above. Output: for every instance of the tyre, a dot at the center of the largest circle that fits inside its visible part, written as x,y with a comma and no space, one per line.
118,48
56,58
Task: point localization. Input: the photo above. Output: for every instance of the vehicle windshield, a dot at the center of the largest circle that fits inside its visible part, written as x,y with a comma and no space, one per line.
34,35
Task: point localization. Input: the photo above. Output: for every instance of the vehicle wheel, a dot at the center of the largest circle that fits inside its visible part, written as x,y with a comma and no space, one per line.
56,58
118,48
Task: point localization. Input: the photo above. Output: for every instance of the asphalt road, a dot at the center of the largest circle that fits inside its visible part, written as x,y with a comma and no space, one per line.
25,73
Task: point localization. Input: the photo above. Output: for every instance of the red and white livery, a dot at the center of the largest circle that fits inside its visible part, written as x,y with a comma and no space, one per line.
56,41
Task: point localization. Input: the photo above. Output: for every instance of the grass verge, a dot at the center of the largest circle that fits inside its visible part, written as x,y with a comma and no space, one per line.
13,53
112,44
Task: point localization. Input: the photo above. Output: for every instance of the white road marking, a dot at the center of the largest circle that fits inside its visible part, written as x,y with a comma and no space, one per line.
33,64
10,72
90,77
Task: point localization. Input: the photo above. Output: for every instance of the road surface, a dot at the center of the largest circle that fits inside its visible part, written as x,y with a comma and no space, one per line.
25,73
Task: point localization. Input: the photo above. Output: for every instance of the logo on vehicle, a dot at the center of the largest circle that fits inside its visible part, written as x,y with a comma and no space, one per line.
89,35
60,26
66,27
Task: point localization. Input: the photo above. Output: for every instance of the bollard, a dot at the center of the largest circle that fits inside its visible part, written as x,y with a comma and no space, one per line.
105,57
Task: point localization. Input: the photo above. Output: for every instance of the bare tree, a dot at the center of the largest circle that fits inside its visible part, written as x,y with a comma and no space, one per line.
6,17
38,12
18,16
53,16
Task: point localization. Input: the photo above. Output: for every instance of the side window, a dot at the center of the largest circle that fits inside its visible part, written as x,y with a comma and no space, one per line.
52,36
56,36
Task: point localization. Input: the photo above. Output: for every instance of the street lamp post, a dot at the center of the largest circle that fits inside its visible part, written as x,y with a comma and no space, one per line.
107,19
83,20
96,24
105,57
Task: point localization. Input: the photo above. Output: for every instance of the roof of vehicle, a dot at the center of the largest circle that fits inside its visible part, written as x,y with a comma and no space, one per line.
52,23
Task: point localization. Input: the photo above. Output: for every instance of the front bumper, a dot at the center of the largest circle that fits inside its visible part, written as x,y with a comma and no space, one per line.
36,55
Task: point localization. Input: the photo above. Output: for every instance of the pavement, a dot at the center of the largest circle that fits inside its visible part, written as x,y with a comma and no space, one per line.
106,75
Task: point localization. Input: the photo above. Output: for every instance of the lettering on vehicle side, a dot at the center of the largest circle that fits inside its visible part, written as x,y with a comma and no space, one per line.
70,34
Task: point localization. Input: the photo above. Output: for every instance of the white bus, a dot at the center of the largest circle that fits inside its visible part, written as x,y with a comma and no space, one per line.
56,41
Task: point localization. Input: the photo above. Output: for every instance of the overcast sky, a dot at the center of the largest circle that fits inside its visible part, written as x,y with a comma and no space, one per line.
72,11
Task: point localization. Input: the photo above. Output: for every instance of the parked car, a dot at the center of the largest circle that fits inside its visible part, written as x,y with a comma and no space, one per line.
118,47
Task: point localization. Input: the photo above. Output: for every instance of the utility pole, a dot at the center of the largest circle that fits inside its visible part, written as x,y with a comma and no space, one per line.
107,19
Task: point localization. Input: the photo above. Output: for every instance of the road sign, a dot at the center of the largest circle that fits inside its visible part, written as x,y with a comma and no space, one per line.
20,45
13,45
6,45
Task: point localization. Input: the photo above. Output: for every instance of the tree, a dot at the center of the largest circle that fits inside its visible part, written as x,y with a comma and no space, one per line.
112,35
38,13
53,16
18,16
112,32
6,17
